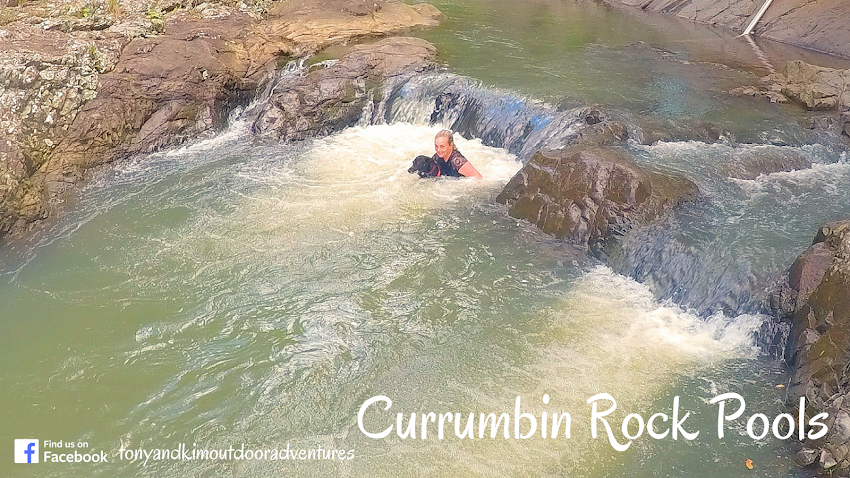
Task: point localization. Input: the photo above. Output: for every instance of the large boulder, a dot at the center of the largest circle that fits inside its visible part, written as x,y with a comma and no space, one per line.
46,77
815,87
591,197
164,90
816,300
335,97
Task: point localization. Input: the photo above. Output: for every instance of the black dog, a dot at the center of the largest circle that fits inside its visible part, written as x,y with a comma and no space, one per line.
425,167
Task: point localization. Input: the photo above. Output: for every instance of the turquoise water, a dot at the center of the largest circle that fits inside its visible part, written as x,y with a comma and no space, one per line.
237,291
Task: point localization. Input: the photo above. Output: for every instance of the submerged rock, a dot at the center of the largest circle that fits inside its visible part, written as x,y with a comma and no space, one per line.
766,160
816,300
653,130
590,197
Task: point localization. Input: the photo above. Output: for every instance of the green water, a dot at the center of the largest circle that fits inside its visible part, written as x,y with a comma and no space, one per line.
241,292
660,70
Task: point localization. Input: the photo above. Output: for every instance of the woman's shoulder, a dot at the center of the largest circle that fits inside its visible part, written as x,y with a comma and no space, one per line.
457,158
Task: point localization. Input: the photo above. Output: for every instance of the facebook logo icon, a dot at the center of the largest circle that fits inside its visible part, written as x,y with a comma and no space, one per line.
26,451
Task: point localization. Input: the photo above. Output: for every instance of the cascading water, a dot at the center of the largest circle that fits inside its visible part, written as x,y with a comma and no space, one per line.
244,291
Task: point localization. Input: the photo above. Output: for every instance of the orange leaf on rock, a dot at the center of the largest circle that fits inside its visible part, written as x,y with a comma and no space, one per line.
749,463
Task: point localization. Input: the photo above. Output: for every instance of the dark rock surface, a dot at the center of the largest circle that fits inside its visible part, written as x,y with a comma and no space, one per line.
817,25
589,196
816,300
335,97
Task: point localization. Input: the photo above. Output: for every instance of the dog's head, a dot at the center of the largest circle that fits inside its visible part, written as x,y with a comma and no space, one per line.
425,166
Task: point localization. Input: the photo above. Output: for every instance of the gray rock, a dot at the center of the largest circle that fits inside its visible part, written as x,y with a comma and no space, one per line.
806,456
839,433
590,197
826,460
332,98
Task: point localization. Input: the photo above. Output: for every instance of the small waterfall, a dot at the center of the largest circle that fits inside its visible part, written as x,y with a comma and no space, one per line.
696,257
501,119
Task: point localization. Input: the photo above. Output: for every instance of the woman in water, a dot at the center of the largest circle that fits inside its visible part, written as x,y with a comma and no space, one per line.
449,159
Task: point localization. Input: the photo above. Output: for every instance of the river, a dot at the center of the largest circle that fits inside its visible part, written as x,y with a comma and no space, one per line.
239,291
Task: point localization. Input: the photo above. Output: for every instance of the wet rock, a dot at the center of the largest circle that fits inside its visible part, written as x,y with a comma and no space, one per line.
816,301
597,135
806,457
90,97
591,197
163,91
46,78
592,117
653,130
335,97
766,160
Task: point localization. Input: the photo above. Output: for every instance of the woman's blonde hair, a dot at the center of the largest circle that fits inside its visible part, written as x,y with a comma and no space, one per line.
448,135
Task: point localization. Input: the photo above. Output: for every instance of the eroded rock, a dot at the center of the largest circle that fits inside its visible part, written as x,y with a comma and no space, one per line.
109,90
590,197
815,87
334,97
816,300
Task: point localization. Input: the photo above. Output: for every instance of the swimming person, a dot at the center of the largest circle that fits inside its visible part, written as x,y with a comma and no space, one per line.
449,159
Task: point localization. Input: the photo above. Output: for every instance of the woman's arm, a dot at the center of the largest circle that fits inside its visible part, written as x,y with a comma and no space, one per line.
469,170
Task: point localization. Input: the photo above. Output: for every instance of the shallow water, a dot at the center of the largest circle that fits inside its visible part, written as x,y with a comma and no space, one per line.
237,291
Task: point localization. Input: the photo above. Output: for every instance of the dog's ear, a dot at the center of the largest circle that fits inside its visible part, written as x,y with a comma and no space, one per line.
421,165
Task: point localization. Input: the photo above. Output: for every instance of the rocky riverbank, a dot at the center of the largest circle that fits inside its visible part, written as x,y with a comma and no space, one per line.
86,84
814,87
814,299
820,26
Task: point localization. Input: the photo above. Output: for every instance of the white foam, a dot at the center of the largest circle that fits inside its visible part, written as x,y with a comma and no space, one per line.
358,177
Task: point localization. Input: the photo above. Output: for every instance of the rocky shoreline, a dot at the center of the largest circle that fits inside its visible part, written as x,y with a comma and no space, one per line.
86,85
